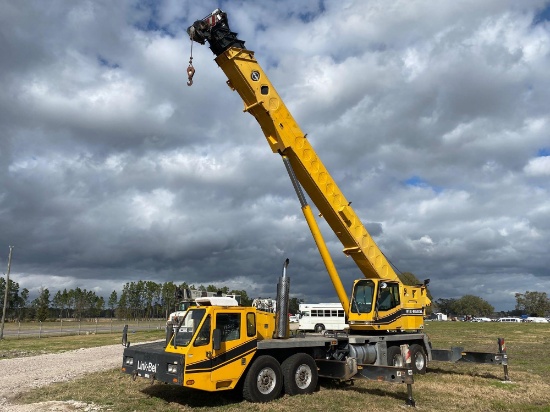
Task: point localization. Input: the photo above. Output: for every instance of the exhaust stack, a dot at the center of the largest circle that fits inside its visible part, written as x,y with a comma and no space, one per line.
282,330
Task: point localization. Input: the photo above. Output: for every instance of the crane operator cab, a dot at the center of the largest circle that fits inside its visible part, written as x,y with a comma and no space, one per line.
385,304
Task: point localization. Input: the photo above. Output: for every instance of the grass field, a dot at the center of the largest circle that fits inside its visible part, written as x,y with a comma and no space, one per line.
15,348
446,387
67,327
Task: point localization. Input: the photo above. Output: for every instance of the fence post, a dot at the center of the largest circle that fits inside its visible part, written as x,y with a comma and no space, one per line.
79,326
40,330
19,329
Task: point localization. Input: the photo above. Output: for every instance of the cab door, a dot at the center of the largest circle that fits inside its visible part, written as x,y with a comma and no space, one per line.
238,344
388,305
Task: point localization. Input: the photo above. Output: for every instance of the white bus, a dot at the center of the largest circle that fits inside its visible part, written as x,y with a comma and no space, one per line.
319,317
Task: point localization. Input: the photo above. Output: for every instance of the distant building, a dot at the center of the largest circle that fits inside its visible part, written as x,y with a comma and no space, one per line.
439,316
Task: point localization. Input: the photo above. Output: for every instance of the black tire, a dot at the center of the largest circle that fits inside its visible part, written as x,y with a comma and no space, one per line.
300,374
263,381
394,356
419,359
319,328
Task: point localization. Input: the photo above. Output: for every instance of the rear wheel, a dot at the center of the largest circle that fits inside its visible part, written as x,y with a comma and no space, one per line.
394,356
300,374
319,328
418,358
263,381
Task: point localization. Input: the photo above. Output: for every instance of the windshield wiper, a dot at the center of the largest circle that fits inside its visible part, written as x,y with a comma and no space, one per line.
356,305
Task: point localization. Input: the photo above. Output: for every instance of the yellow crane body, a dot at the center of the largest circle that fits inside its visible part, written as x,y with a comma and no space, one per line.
218,345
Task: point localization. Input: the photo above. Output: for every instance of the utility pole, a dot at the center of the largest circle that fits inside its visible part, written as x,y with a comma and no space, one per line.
6,295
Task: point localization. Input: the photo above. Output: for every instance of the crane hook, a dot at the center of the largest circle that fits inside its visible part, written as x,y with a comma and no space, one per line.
190,72
191,69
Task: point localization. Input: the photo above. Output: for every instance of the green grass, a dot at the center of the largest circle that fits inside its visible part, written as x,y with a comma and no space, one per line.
525,342
446,387
67,327
14,348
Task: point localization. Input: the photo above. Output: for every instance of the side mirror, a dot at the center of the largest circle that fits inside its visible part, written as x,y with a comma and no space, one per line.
169,332
217,339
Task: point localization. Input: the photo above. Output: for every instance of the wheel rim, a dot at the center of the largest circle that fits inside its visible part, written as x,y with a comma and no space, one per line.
303,376
419,361
398,361
266,380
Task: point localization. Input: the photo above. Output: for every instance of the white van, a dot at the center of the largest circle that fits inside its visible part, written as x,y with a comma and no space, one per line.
536,320
481,319
518,320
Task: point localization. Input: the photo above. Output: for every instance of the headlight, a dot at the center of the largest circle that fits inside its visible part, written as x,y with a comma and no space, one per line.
129,361
172,368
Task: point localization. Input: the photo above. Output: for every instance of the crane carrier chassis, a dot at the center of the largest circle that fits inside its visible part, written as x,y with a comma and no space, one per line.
219,346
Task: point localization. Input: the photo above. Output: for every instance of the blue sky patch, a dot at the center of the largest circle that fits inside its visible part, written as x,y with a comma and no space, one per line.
150,20
417,181
543,15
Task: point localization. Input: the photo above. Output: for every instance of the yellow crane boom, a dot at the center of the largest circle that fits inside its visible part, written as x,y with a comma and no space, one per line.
285,137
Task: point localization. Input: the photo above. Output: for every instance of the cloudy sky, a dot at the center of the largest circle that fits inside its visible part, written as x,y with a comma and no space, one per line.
433,117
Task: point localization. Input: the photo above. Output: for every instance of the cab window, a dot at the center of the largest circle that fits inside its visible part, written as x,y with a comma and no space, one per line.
250,324
389,297
203,337
362,296
230,326
188,326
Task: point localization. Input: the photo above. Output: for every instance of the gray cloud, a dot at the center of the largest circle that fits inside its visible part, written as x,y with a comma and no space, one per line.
433,119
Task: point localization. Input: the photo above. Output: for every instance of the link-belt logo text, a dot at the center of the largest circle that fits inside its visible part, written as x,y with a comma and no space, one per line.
147,366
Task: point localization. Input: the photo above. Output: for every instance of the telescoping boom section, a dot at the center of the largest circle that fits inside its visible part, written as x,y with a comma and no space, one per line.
378,302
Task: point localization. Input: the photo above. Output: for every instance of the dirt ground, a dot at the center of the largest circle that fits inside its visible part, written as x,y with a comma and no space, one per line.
22,374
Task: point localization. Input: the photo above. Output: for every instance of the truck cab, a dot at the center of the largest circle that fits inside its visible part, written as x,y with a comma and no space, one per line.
209,349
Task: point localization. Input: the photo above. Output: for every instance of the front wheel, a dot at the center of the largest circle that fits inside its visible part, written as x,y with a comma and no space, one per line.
419,359
300,374
264,380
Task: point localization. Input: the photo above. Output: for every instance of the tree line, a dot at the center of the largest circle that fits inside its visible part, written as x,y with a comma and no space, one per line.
535,304
137,300
152,300
147,299
74,303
